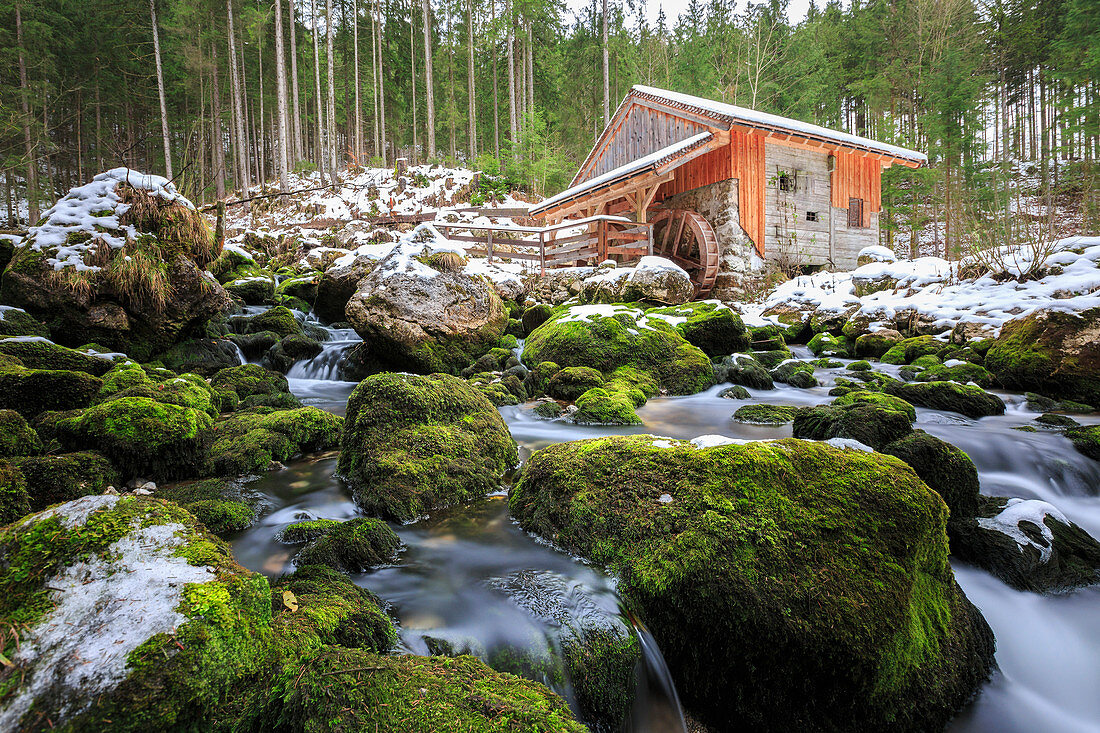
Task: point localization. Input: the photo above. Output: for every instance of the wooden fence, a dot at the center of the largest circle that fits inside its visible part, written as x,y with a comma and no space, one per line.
558,245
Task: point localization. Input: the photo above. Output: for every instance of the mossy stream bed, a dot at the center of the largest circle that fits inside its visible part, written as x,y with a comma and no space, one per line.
471,581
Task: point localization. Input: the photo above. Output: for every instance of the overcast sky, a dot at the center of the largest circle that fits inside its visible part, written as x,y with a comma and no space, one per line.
796,9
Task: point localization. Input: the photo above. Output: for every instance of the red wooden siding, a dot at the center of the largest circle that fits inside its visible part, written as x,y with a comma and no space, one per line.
857,177
747,155
707,168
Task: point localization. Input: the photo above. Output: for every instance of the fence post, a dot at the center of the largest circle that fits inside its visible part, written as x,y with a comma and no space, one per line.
489,245
542,253
601,241
649,237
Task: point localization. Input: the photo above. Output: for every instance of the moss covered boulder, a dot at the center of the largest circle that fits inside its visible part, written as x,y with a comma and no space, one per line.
709,324
818,577
1086,440
14,500
947,470
413,443
743,370
826,344
17,322
763,414
607,337
874,425
421,312
35,352
571,382
249,440
1056,353
120,261
967,399
132,618
600,407
201,356
33,391
352,546
143,437
17,438
251,382
63,477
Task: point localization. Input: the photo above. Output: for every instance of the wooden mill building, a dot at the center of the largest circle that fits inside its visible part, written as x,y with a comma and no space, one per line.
726,188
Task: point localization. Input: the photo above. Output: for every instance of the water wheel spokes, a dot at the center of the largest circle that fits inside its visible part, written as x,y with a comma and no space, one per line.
688,239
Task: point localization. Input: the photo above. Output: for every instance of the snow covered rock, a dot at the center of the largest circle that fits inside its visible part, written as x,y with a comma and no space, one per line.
120,261
652,280
1027,543
338,284
419,311
132,617
875,253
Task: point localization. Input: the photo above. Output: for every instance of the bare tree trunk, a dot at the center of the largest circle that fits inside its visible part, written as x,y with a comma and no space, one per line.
606,74
511,72
381,86
412,59
280,97
32,163
358,103
298,149
530,70
427,8
219,147
320,126
331,92
160,91
496,94
260,152
238,106
471,111
98,124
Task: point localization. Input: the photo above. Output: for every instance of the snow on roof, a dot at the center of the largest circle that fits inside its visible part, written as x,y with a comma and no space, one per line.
732,112
652,160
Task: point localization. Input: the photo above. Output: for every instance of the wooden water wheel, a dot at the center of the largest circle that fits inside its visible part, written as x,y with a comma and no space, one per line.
688,239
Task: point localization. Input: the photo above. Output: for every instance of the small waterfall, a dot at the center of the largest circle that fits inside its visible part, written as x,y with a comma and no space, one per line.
240,354
656,702
326,365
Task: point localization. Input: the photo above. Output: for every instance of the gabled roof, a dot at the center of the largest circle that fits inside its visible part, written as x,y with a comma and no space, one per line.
732,114
656,163
722,116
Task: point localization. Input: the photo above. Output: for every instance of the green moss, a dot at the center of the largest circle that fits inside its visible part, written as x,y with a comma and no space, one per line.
548,409
967,399
289,350
737,392
870,424
48,355
185,390
763,414
1052,420
601,663
911,349
248,441
962,373
144,437
17,322
859,366
539,377
508,341
278,320
825,344
17,438
33,391
743,370
772,358
1086,440
793,560
413,443
15,502
57,478
352,546
599,407
253,289
250,379
306,531
873,345
946,469
535,316
571,382
889,402
795,373
713,327
627,338
222,516
200,356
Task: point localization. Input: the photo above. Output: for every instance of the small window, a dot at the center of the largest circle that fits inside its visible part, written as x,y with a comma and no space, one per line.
786,182
811,216
855,213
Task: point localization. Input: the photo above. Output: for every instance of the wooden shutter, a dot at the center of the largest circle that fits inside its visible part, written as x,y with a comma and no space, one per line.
855,212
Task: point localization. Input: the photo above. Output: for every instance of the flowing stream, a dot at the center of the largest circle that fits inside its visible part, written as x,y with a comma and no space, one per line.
470,581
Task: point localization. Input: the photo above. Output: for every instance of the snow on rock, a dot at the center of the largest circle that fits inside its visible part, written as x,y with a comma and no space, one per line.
712,441
875,253
1034,511
936,291
91,212
849,444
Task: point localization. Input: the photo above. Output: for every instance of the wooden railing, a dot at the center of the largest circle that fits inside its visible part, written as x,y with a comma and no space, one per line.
557,245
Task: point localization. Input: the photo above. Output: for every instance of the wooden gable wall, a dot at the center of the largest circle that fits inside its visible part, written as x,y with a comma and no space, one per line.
637,132
857,177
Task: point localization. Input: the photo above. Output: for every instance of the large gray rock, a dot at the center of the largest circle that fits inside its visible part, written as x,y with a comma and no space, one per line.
338,284
420,312
652,280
